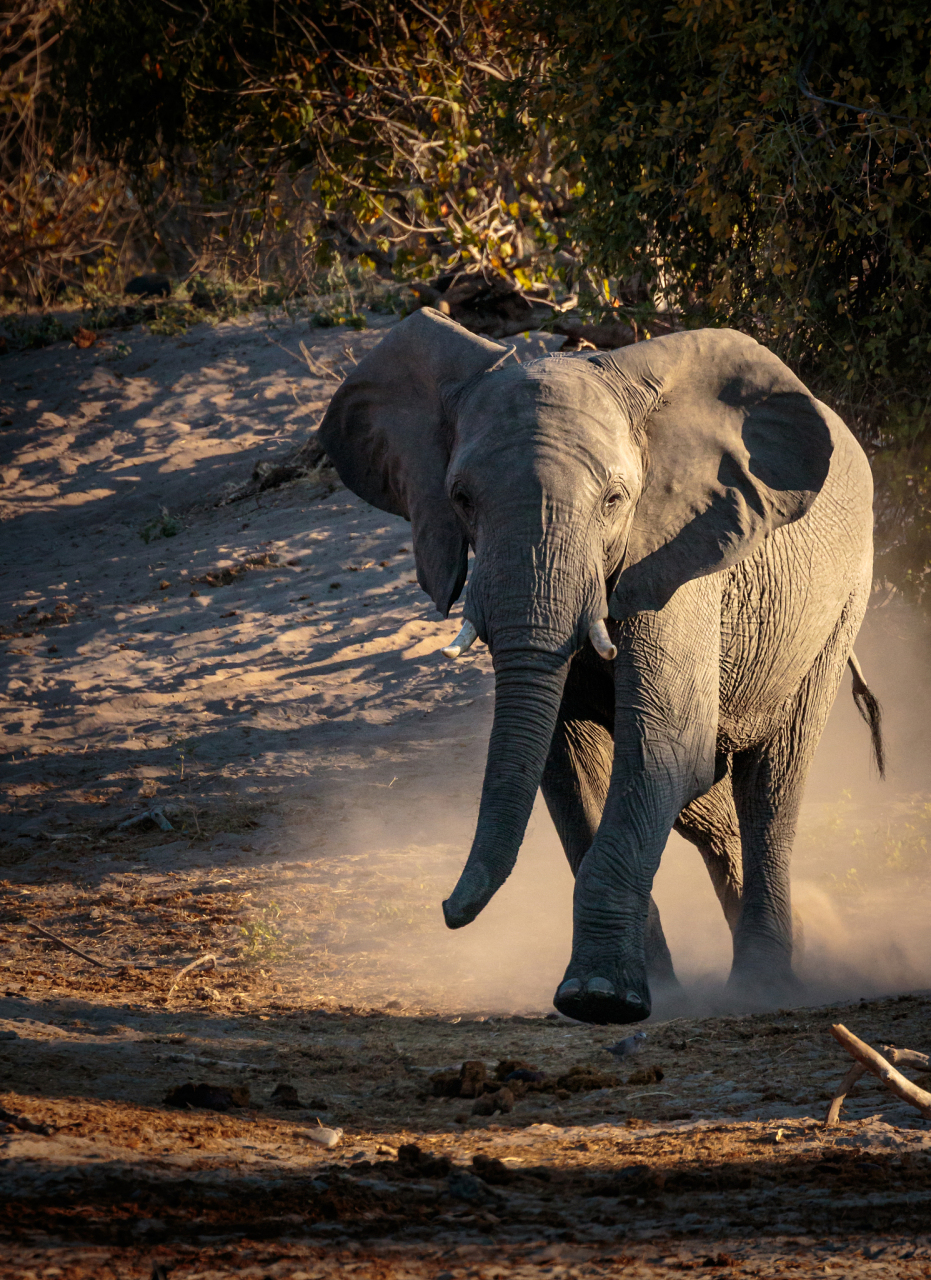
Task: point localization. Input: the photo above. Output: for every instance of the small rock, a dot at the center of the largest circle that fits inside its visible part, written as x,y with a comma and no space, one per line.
466,1186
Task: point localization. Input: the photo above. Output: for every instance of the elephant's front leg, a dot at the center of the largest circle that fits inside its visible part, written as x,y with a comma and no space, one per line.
577,777
666,708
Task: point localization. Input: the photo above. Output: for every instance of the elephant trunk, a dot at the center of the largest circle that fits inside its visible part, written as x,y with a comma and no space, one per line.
528,691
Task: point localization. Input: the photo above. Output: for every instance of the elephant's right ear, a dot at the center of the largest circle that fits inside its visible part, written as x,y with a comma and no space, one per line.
735,447
388,431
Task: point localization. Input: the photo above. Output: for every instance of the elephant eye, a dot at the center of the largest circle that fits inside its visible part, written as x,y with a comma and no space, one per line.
462,501
615,498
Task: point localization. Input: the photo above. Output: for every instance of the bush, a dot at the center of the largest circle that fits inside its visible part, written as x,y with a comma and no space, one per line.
764,165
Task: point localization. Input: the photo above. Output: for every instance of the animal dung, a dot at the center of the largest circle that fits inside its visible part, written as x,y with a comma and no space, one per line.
472,1077
501,1100
520,1078
208,1097
646,1075
422,1164
492,1170
285,1095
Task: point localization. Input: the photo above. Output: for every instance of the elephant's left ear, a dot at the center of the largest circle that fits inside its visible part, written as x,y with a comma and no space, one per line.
734,447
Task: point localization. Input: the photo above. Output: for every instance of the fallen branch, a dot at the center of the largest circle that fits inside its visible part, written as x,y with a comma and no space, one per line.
316,367
150,815
906,1057
849,1080
218,1062
883,1070
206,961
67,945
308,462
24,1123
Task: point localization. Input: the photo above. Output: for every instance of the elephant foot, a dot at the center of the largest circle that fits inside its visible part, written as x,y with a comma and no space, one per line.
753,988
599,1001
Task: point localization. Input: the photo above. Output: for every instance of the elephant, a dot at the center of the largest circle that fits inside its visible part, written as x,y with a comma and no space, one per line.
672,558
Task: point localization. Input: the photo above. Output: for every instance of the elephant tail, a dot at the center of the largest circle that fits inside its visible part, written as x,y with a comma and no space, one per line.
871,712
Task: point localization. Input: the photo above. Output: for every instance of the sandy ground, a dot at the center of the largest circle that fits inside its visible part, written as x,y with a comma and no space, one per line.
269,677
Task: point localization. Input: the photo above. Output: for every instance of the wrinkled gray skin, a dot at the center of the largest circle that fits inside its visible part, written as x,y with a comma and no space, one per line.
691,491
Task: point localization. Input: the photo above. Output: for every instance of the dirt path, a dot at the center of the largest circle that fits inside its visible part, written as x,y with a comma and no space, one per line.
267,676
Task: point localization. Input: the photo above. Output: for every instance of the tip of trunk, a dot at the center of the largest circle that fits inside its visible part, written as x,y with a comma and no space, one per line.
466,902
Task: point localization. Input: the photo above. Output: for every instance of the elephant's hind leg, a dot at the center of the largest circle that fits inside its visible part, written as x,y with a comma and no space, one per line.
710,823
575,786
768,782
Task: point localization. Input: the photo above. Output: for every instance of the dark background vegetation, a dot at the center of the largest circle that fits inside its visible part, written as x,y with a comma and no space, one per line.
760,165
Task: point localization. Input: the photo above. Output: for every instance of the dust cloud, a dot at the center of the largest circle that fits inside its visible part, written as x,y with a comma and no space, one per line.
860,873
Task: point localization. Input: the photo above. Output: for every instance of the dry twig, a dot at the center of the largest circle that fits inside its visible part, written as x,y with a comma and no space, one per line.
849,1080
67,945
874,1062
316,367
24,1123
206,962
906,1057
219,1062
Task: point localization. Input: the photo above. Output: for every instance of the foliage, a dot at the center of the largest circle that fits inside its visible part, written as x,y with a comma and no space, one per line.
301,133
262,937
766,166
903,518
164,525
891,842
29,335
56,213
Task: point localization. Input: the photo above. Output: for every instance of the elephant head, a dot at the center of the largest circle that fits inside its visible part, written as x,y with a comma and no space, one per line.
588,487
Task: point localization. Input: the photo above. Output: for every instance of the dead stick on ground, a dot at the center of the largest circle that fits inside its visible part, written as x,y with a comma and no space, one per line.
906,1057
877,1064
898,1057
67,945
849,1080
207,961
23,1122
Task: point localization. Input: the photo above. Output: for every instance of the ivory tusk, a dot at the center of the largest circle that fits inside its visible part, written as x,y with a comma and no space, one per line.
601,641
463,641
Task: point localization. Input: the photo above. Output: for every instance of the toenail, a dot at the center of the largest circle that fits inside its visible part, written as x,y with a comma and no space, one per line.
631,997
571,987
599,987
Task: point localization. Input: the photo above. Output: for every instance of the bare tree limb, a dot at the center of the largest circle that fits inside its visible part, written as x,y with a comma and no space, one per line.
883,1070
67,945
